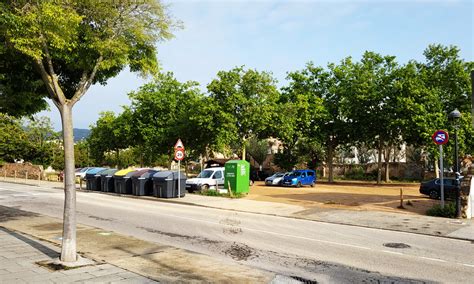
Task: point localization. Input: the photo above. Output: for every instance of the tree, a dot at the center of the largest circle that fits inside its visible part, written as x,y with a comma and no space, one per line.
22,92
314,98
42,139
13,139
374,106
258,149
165,110
445,77
75,44
245,104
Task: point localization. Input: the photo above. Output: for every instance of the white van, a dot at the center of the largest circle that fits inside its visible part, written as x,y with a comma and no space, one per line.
207,179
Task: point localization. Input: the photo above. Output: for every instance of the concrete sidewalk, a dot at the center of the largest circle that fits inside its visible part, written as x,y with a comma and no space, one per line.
20,255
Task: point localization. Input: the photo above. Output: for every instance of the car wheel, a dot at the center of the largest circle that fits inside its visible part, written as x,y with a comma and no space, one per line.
312,184
190,190
298,184
250,182
434,194
204,187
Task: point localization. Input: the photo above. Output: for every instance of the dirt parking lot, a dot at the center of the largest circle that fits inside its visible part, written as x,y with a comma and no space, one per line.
351,196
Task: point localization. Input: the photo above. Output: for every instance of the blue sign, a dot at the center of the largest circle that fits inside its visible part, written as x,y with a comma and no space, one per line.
440,137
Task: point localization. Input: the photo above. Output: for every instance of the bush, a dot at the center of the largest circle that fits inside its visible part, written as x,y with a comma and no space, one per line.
449,210
358,173
210,193
216,193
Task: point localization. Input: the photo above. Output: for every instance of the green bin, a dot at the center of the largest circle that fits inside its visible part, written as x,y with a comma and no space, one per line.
237,174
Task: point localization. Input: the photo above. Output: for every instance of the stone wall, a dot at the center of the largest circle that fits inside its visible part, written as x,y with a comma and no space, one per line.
397,170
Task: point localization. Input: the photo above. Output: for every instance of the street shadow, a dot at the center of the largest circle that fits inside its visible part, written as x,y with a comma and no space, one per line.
12,213
34,244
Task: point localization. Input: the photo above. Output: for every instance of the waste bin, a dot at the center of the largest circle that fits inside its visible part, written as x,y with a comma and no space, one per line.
122,181
142,182
237,175
107,180
165,184
93,181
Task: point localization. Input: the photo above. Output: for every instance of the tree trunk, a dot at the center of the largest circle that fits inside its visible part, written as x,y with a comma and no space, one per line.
243,150
387,164
379,164
68,248
436,168
330,163
117,158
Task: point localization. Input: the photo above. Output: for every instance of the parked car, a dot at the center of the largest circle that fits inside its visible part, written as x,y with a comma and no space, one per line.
432,188
275,179
299,178
207,179
256,175
82,172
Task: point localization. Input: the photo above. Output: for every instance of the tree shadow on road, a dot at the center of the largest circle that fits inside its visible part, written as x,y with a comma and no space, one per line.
12,213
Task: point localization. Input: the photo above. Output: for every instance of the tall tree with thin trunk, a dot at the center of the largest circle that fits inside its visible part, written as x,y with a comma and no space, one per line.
246,101
74,44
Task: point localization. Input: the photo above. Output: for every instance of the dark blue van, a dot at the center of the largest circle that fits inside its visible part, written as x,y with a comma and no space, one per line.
298,178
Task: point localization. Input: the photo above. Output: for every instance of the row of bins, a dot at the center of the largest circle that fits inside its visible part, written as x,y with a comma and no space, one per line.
141,182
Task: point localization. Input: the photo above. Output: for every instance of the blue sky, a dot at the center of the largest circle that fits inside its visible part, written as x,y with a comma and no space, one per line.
282,36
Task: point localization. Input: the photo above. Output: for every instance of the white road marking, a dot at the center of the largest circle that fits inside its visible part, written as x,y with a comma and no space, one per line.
468,265
392,252
433,259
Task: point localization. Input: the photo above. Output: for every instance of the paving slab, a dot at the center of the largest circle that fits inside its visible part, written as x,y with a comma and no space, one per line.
122,257
22,269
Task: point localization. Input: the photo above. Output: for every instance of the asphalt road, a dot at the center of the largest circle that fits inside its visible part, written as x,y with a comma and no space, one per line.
322,252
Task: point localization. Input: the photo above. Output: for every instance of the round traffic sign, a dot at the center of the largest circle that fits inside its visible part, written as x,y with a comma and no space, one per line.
179,155
440,137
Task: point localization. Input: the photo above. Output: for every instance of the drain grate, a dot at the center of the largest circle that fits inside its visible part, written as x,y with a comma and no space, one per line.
396,245
304,280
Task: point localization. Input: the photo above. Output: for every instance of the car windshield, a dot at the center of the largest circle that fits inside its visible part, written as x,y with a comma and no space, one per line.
295,174
205,174
278,175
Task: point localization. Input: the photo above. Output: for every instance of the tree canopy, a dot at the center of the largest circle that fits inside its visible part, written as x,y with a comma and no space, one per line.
72,45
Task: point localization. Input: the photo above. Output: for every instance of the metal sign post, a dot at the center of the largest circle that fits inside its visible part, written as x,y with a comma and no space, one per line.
179,155
441,174
440,138
179,179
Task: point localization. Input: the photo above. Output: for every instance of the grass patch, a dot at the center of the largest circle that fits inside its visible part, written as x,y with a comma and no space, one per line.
449,210
216,193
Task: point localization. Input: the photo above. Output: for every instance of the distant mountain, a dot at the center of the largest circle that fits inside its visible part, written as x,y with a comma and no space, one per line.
80,134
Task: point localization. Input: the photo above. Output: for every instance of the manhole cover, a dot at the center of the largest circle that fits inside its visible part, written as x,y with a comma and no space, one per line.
396,245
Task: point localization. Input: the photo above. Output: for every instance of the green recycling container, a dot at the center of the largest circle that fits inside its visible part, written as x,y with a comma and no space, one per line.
237,175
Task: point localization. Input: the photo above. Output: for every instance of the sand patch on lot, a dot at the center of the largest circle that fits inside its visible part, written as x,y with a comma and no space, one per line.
347,196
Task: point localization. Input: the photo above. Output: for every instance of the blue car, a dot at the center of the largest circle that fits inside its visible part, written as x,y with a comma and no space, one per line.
299,178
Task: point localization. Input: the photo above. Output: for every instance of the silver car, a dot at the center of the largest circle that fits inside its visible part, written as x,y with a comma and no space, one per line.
275,179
